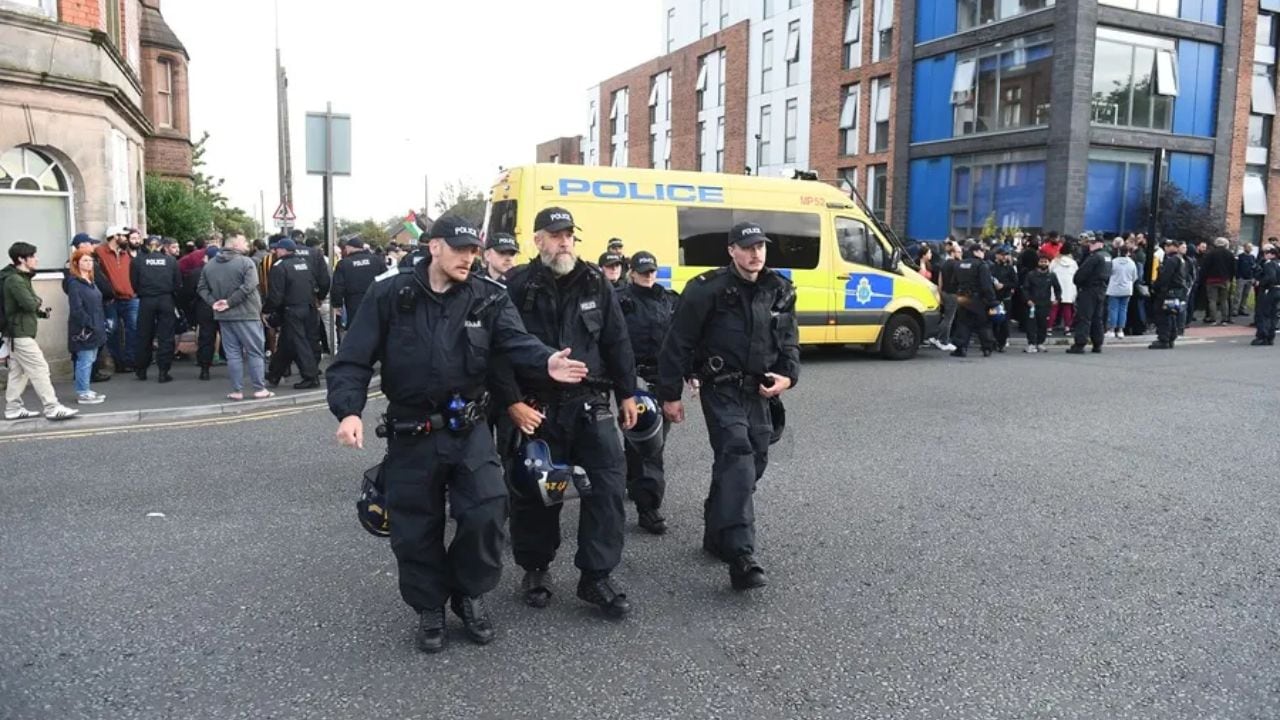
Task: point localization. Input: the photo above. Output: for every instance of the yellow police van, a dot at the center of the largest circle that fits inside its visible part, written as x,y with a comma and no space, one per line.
852,286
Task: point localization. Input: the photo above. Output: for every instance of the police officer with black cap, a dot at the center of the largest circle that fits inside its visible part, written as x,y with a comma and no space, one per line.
500,251
611,265
734,329
566,302
353,277
433,328
291,294
1267,289
648,308
1004,276
156,279
1169,291
1091,279
975,302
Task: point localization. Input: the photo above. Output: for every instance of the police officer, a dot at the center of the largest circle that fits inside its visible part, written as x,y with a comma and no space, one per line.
500,254
647,307
312,251
1004,276
616,247
611,265
291,293
353,276
566,302
975,301
1267,292
156,279
1091,281
1169,292
735,328
432,328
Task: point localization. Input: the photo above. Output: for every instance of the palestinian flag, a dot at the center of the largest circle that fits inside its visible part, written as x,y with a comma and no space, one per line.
411,225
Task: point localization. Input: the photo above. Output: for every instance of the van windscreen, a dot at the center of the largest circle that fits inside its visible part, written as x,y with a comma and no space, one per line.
796,236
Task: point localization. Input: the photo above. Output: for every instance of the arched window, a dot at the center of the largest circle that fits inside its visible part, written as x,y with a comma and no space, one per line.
35,202
164,93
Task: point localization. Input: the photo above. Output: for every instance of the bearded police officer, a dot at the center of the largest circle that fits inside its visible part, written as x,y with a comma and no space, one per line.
1091,281
291,295
1170,294
647,307
566,302
156,279
975,300
353,276
432,327
500,253
735,328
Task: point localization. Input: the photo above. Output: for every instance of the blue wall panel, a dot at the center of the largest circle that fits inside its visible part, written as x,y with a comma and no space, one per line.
1103,195
931,111
1205,11
1196,107
929,186
936,18
1191,173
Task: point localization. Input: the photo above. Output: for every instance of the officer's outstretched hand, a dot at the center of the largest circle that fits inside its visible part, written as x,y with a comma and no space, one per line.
673,411
629,413
351,432
780,384
562,369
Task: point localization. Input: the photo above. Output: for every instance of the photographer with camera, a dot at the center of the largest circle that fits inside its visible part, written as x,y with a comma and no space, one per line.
21,311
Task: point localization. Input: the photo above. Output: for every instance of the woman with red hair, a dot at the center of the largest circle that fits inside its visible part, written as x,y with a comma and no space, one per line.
86,325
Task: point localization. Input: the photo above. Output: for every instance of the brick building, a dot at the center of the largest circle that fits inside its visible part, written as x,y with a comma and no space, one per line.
567,150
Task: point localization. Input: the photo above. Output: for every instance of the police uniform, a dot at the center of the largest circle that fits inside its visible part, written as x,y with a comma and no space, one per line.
1267,297
324,281
578,311
1170,294
975,297
648,312
156,279
1007,275
291,294
1091,281
731,332
434,351
352,278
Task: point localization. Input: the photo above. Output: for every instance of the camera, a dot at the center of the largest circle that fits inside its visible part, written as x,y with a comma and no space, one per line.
44,313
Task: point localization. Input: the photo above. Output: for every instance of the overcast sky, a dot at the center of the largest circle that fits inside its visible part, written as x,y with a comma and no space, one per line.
446,88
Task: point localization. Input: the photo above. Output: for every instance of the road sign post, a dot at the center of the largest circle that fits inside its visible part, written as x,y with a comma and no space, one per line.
329,154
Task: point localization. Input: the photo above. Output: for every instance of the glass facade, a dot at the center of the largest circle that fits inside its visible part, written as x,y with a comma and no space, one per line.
1118,188
1135,80
1007,188
1004,86
976,13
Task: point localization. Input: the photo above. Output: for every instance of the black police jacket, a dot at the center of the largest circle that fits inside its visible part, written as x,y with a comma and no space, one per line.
578,311
648,312
1041,288
1268,276
1173,279
1007,275
155,274
751,326
290,284
1094,273
430,345
319,269
352,278
973,279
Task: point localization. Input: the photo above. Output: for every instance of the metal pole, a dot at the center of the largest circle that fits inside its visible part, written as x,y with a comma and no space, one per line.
329,231
426,200
262,211
1153,215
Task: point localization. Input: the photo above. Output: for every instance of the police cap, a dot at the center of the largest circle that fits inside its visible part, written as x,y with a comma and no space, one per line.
644,262
455,231
746,234
554,219
502,242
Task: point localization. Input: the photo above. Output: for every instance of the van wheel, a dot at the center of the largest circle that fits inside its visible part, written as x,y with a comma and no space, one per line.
901,338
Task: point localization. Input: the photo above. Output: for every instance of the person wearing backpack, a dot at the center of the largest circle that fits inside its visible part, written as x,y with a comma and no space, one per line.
20,310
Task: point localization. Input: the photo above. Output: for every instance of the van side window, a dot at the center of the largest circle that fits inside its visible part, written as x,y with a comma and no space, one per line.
796,236
502,217
857,243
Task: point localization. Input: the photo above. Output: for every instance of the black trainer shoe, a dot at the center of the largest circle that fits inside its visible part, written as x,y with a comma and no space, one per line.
536,588
1157,345
602,593
165,377
140,374
430,636
475,618
1258,342
652,521
745,573
204,372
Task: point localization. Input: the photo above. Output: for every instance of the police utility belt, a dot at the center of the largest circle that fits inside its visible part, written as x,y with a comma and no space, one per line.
714,373
459,415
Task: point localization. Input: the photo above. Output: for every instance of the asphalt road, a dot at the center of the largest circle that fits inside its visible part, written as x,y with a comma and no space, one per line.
1021,537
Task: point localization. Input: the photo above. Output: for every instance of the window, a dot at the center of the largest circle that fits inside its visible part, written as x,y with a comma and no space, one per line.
122,198
591,118
164,93
792,125
858,244
502,217
1251,229
666,84
35,202
1264,50
671,29
974,13
700,85
1008,188
796,236
769,8
880,101
1270,5
1259,140
1168,8
1116,192
701,150
763,145
720,144
613,113
704,18
724,14
113,24
666,151
793,53
720,73
878,183
766,61
853,34
48,8
1264,93
654,83
613,154
882,43
1134,80
848,179
1255,190
849,120
653,150
793,4
1004,86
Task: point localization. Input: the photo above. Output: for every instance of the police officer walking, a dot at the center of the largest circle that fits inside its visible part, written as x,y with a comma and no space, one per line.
1169,292
1004,276
432,328
975,300
500,255
1091,281
291,294
566,302
156,279
1267,290
647,307
735,329
353,276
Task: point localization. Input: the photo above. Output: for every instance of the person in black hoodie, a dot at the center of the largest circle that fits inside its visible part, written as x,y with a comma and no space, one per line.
1267,286
1041,289
1170,294
1091,298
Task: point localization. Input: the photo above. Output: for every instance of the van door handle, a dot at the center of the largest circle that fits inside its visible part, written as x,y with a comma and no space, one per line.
843,277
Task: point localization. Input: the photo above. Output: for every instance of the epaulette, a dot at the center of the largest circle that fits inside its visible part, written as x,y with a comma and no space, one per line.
392,272
485,278
714,272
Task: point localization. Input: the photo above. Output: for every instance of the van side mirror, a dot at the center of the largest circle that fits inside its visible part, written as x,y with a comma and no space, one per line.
895,259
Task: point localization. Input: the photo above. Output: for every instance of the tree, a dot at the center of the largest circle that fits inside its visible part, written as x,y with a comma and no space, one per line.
370,230
1184,218
227,219
175,210
462,200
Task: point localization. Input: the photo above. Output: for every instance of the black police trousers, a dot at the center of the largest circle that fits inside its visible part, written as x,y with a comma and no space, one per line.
296,343
1038,326
739,426
155,325
646,479
582,432
970,316
1091,317
419,472
206,333
1167,329
1000,330
1264,314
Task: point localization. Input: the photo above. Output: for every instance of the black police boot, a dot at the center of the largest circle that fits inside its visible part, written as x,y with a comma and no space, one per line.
745,573
652,521
141,374
204,372
536,588
430,638
1257,342
986,352
1075,350
306,384
273,382
1097,350
959,353
165,377
1157,345
98,376
475,618
602,593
